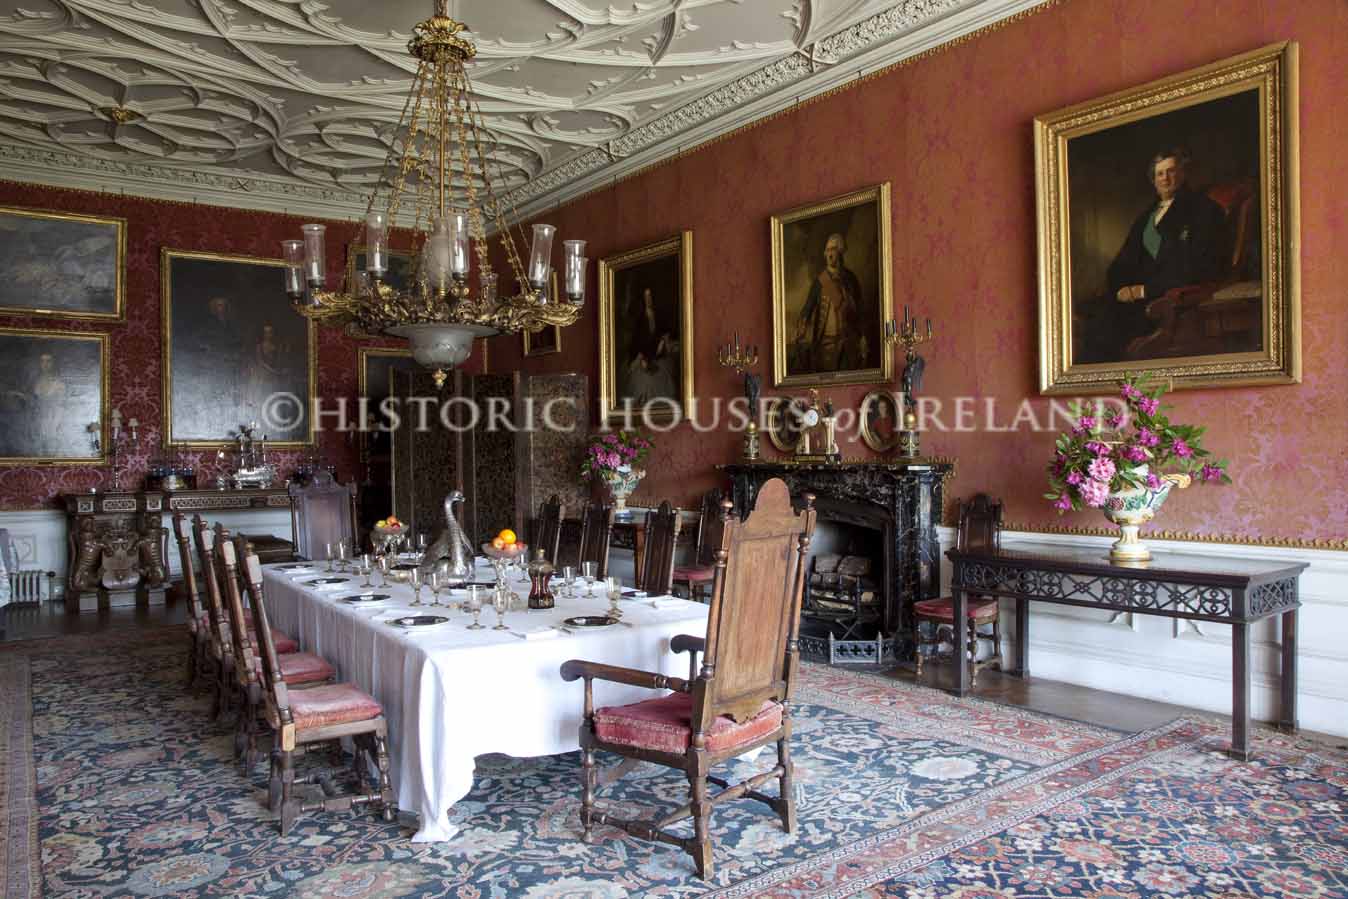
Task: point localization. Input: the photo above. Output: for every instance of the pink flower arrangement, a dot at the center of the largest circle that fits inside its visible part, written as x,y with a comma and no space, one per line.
617,452
1090,464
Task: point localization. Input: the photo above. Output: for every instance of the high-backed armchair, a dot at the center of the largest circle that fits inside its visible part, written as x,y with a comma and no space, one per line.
739,698
324,512
549,530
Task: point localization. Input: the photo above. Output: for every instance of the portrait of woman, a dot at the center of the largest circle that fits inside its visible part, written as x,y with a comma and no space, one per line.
52,389
645,327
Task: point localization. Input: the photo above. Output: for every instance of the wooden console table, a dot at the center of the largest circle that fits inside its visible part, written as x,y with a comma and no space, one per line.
1222,590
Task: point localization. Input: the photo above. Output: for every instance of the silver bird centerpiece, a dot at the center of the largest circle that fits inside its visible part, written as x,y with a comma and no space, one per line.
451,555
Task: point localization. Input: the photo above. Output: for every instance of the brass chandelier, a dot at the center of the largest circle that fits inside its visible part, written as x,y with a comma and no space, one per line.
436,173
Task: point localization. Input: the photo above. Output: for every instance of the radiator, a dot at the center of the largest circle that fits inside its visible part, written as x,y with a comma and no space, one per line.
26,586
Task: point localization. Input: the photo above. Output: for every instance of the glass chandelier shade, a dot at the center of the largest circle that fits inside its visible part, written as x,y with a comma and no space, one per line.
438,184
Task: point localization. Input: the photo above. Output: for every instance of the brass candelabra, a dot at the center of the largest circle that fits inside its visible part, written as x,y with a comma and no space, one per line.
743,357
907,334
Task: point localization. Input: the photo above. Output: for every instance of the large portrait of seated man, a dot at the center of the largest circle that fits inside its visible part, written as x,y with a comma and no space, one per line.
1165,222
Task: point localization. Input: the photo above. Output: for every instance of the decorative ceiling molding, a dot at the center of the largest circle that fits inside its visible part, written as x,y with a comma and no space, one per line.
291,107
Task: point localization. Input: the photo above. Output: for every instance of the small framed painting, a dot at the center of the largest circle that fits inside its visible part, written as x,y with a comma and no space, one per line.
646,330
1168,220
53,397
399,273
831,290
880,420
549,339
61,264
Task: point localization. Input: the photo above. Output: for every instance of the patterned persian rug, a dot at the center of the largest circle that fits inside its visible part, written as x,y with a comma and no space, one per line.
113,783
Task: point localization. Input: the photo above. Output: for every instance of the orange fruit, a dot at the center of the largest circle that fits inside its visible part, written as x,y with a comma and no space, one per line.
498,543
506,536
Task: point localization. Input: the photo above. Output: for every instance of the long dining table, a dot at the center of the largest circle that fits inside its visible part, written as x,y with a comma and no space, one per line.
451,693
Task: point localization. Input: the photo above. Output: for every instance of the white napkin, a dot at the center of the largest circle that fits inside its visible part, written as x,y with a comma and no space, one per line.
666,602
328,588
537,632
299,572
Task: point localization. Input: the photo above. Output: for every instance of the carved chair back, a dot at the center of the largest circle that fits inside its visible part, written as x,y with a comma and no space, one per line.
596,531
549,528
241,638
662,533
215,607
273,682
753,623
709,528
185,560
980,524
324,512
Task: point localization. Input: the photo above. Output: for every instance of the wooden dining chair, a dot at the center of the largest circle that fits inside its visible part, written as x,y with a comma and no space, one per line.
549,529
316,715
298,669
662,533
222,648
739,698
596,533
695,578
979,527
199,658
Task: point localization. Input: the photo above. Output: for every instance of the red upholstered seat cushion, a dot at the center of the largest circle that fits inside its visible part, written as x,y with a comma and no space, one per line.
303,668
694,574
284,644
331,704
665,725
944,608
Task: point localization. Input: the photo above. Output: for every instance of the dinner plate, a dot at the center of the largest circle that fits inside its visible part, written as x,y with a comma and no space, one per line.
415,621
590,621
295,566
321,581
364,597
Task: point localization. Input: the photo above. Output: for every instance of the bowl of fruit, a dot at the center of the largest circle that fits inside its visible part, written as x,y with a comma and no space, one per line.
504,545
386,532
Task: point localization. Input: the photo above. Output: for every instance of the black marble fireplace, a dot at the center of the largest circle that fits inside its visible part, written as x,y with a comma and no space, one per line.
903,501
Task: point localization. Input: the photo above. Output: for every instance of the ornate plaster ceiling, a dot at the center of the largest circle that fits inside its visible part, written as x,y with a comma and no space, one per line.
292,104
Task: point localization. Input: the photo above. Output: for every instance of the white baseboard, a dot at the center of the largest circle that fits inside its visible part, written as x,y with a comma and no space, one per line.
1189,663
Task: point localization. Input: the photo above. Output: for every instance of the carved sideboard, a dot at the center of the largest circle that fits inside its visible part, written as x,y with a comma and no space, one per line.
141,513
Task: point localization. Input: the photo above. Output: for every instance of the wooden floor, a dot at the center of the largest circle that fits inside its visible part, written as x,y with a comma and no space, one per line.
1113,710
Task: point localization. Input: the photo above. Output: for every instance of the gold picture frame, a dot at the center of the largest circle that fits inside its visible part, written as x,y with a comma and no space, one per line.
801,240
74,238
537,344
872,437
28,415
652,369
1195,276
237,377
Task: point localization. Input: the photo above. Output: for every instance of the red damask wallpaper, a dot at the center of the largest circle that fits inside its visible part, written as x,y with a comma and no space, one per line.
135,345
952,133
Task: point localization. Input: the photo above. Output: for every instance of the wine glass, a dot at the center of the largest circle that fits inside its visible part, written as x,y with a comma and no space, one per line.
568,580
421,545
437,583
327,554
383,570
415,578
615,592
500,601
341,555
589,571
473,605
365,568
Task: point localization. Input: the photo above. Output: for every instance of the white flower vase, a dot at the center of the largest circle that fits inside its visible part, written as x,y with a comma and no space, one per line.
621,484
1134,507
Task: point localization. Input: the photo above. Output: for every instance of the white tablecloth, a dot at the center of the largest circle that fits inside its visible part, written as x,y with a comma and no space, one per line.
451,694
